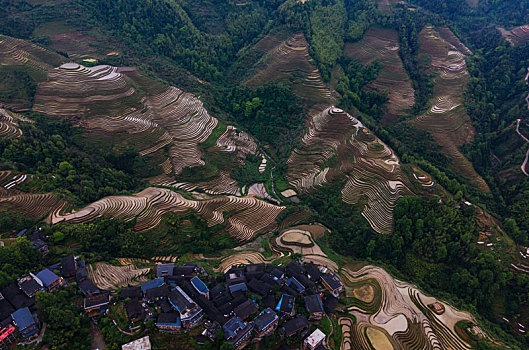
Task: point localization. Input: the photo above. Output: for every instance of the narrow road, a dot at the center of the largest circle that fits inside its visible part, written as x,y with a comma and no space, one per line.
524,164
98,342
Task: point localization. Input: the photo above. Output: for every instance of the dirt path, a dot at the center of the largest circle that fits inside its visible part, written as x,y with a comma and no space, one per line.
98,342
524,164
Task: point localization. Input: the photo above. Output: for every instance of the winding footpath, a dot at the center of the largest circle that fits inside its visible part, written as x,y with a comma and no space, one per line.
526,140
518,127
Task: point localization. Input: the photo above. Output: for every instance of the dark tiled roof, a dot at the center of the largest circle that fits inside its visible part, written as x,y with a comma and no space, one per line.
222,300
255,268
165,306
259,287
331,280
164,269
305,281
329,303
6,309
131,292
88,287
294,268
157,292
184,271
269,301
246,309
218,290
313,303
169,318
81,274
268,279
265,319
68,265
286,304
238,287
16,297
292,282
96,300
180,300
287,290
157,282
30,287
313,272
295,325
133,308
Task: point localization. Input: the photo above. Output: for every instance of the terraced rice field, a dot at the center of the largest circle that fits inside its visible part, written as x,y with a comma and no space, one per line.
106,101
110,277
8,124
244,258
286,60
446,119
250,216
297,237
516,36
398,317
33,205
37,61
375,180
310,252
382,45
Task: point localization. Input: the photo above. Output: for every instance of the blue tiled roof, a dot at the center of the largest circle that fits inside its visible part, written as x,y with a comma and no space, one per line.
23,318
237,287
199,285
47,277
157,282
232,326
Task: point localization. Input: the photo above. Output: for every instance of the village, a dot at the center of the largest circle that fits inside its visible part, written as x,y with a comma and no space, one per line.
246,303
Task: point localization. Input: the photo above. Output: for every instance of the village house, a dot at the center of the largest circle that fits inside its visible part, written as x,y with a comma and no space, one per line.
131,293
314,341
138,344
200,287
134,310
190,313
237,332
26,323
163,270
8,336
314,306
332,283
296,325
68,266
246,309
169,322
29,285
286,306
266,322
96,304
50,280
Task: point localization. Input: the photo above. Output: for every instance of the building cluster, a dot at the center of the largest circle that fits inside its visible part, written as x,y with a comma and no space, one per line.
18,317
251,302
